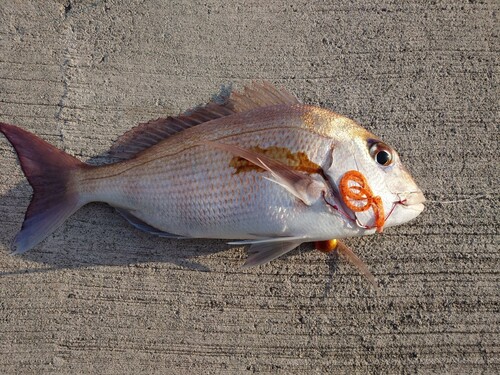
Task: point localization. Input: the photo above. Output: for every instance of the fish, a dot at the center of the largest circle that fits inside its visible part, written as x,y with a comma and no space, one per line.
260,169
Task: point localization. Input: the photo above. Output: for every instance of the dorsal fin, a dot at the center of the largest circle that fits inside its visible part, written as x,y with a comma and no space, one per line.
145,135
259,94
150,133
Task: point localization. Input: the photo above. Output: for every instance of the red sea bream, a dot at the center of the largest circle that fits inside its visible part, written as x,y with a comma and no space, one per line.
260,169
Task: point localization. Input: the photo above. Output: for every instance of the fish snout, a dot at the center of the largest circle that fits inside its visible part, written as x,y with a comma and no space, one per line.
412,198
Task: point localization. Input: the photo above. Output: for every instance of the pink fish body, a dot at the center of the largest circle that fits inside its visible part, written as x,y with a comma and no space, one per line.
261,167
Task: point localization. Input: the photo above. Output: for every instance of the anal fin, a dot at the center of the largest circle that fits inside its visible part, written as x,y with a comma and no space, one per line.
145,227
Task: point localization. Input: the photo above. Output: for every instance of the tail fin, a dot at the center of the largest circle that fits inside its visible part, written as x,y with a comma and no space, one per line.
50,173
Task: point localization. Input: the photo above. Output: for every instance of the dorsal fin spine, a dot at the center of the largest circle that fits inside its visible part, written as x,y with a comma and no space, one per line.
145,135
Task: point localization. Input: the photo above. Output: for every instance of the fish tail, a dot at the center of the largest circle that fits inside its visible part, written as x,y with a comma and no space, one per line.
51,174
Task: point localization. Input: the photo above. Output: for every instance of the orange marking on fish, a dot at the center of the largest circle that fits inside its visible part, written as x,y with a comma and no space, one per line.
326,246
297,161
354,195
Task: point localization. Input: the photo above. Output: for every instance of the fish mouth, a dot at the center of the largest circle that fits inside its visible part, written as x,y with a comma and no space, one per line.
410,206
412,198
410,201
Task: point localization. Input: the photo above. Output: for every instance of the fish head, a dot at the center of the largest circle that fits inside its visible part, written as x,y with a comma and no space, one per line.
382,173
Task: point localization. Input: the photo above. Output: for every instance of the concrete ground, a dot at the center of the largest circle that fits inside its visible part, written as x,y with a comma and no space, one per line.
100,297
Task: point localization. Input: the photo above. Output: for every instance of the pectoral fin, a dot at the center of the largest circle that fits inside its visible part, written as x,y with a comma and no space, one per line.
263,252
303,186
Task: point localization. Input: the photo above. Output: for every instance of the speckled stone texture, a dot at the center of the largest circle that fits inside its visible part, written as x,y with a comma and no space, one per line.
100,297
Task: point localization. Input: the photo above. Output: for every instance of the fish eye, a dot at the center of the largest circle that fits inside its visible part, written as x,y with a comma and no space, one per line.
382,154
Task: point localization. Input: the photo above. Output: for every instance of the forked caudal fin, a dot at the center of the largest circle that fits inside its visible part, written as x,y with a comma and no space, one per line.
50,173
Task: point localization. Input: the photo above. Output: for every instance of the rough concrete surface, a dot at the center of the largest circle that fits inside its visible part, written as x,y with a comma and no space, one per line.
98,296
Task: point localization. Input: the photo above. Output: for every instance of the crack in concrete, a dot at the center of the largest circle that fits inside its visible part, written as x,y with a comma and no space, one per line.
64,96
67,9
64,67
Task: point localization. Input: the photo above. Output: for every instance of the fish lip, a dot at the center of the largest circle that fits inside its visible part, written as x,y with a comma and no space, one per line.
419,207
412,198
